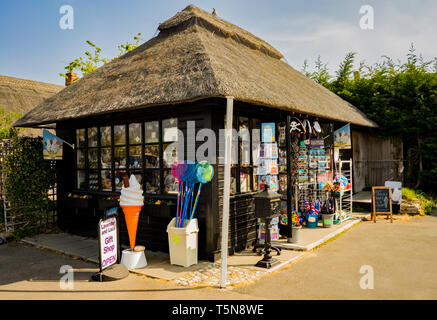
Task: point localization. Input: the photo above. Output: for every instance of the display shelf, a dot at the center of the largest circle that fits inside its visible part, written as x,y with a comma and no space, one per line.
344,167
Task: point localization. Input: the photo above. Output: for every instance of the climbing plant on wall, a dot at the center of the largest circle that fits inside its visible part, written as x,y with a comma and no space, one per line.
29,179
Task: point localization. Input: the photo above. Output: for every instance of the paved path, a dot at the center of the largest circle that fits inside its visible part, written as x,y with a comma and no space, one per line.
402,254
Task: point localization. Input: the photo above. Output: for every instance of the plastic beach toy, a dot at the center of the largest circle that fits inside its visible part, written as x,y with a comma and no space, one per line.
204,173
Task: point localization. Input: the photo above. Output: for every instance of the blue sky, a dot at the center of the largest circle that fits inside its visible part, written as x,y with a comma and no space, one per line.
33,46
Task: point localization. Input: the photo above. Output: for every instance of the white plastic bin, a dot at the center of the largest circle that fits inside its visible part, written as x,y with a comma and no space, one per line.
182,243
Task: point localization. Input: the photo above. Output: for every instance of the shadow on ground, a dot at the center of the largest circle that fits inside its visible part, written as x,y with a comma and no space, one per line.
23,263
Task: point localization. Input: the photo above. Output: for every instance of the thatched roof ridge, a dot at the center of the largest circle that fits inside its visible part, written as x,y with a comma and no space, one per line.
190,60
194,15
21,95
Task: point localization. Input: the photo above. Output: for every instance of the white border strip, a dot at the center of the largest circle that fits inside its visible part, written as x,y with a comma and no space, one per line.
318,242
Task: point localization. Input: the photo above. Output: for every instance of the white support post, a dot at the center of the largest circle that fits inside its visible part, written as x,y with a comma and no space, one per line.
226,190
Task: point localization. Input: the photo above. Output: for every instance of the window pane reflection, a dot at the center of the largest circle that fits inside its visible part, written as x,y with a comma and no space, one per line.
151,156
120,157
152,182
135,133
135,157
152,132
119,135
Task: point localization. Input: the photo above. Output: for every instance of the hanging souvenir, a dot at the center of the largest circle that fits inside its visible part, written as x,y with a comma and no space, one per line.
317,127
297,127
307,124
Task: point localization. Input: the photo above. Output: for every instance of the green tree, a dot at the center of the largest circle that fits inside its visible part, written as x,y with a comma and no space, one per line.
402,99
7,120
93,59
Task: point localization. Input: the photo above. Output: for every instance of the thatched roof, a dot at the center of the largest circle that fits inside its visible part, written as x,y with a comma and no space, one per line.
20,95
196,55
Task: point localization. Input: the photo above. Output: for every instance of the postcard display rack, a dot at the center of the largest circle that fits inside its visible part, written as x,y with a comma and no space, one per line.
267,172
313,171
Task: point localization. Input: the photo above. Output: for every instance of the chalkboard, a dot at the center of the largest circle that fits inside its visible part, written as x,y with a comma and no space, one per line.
381,201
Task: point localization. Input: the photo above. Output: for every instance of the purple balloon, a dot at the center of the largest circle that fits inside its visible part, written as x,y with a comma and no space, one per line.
175,170
186,171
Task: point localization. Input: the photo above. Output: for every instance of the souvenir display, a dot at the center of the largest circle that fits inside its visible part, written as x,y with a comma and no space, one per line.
189,174
274,230
273,167
281,138
342,137
93,182
274,183
273,150
244,181
268,132
268,156
283,183
263,167
262,181
106,180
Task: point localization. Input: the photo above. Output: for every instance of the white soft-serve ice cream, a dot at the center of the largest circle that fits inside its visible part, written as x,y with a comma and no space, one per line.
133,194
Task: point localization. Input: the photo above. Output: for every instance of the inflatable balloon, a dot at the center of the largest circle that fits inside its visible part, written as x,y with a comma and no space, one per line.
175,171
204,172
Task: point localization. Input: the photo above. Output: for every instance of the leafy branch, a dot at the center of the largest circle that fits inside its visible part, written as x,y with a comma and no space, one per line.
93,59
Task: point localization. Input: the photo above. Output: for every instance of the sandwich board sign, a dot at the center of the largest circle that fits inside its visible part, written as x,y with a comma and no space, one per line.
381,202
396,191
109,249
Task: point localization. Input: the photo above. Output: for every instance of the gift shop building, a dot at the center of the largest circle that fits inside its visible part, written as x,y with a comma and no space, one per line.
126,116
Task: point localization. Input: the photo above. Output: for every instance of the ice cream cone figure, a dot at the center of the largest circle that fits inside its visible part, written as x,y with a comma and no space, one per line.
132,215
131,201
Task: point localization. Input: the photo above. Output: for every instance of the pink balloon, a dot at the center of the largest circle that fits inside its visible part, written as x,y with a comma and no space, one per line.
175,171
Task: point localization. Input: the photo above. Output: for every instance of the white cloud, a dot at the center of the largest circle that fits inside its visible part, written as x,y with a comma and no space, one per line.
396,27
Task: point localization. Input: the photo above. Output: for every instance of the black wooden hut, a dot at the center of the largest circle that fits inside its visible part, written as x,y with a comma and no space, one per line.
121,117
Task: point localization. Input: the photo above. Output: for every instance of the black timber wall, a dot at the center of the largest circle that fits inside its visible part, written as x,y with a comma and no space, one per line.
151,230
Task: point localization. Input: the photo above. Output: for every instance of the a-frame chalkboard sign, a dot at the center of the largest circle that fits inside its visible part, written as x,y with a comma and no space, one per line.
381,202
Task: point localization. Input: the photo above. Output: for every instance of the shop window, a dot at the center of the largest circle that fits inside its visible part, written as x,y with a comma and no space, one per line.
106,177
245,180
106,158
118,179
244,142
93,158
81,179
135,157
170,154
152,132
233,188
135,133
255,182
151,156
105,136
170,130
120,135
171,185
92,137
147,148
152,182
93,183
80,138
120,157
244,154
81,159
